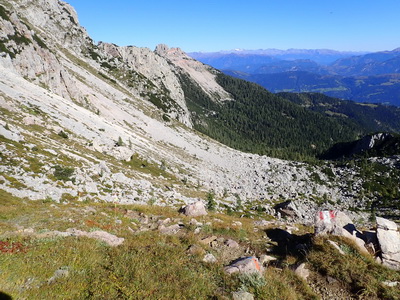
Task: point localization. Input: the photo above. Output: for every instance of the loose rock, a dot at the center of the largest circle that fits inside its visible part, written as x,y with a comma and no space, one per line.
208,240
302,271
108,238
209,258
246,265
242,296
169,230
58,274
232,244
265,259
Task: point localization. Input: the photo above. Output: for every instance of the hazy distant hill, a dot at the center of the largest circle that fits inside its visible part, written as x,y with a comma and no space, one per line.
372,77
320,56
378,63
371,89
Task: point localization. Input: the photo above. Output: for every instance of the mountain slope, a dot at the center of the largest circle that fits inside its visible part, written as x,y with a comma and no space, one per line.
87,111
106,123
261,122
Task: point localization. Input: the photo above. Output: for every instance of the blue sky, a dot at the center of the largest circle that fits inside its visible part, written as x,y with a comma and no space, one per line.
213,25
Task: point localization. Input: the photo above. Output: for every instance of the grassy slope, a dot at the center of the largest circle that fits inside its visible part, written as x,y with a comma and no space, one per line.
149,265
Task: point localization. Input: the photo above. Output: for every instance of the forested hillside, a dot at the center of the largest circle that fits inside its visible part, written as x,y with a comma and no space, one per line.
261,122
371,117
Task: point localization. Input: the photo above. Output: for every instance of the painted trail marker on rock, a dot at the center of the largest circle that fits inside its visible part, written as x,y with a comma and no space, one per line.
326,215
245,265
324,221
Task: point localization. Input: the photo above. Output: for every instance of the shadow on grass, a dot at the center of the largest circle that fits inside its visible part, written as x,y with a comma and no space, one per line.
289,244
4,296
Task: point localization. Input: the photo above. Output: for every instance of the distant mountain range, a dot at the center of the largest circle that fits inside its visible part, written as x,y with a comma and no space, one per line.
238,56
362,77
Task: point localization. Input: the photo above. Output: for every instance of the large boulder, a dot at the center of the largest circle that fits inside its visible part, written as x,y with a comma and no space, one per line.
246,265
194,209
389,241
328,221
338,223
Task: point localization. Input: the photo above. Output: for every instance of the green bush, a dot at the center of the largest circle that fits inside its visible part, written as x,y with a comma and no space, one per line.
211,204
63,134
120,142
63,173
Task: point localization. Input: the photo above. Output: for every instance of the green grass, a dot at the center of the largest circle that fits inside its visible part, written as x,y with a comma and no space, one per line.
360,273
143,165
149,265
4,13
13,182
142,269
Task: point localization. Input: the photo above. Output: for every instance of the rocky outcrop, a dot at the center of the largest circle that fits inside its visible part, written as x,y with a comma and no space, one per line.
162,81
389,241
330,222
101,235
384,242
56,19
373,142
31,53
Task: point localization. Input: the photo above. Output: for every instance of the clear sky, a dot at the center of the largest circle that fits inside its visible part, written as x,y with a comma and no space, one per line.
213,25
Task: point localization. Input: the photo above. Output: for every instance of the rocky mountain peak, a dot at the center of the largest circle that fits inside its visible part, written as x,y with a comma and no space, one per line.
165,51
161,49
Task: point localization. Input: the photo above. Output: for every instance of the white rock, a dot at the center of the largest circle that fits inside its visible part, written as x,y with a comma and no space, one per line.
231,244
195,209
302,271
246,265
265,259
242,296
389,241
169,230
385,224
209,258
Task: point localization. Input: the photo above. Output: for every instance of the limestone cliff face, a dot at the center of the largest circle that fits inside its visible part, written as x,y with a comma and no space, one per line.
32,37
56,20
161,77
